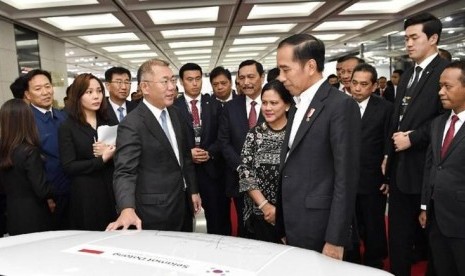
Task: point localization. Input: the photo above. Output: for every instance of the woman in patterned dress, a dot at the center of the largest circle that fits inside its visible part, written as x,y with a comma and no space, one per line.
259,170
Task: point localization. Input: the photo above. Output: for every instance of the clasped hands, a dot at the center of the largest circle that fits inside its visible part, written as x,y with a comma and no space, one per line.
199,155
103,150
401,140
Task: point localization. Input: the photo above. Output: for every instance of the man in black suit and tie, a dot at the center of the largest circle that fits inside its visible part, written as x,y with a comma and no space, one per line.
370,204
201,114
443,194
154,179
118,83
385,91
238,116
417,103
221,81
320,154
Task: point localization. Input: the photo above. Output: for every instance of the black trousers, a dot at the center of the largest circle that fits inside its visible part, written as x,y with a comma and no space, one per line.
448,253
370,210
403,223
258,228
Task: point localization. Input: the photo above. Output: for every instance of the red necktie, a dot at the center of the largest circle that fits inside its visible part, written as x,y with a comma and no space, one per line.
449,136
195,113
252,115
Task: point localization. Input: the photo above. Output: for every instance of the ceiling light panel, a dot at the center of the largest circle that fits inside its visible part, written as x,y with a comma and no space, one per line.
192,52
242,55
247,49
188,33
328,36
138,55
344,25
193,57
187,44
105,38
176,16
283,10
257,40
39,4
270,28
373,7
81,22
125,48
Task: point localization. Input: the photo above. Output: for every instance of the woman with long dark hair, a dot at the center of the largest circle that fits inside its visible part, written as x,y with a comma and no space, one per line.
29,195
259,170
88,162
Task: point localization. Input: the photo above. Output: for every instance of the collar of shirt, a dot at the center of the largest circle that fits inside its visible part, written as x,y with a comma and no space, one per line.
425,63
306,97
155,110
258,100
458,124
189,99
363,105
115,106
43,110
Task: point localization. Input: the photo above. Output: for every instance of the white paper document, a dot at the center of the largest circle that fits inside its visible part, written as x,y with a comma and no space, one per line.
107,134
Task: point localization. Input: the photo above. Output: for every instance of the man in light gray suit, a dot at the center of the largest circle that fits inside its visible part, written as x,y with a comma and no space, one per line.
154,179
320,154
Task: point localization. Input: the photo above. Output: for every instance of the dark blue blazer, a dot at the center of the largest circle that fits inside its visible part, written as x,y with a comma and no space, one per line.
48,134
233,129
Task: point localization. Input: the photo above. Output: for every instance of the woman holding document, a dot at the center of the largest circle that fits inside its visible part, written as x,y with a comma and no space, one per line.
87,160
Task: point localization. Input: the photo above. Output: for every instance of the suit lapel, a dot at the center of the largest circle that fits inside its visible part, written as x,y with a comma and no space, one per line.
111,112
436,141
456,141
312,112
155,129
285,147
177,131
370,109
206,106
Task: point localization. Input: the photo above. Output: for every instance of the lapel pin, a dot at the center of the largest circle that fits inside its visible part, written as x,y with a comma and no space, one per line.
310,113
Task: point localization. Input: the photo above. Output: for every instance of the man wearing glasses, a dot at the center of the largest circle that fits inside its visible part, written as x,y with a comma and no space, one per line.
118,83
154,180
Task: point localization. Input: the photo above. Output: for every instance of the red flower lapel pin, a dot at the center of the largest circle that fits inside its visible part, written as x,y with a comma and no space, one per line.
310,113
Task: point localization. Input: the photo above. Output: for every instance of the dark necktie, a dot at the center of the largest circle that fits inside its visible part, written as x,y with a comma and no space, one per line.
414,83
252,115
195,113
449,136
120,113
48,115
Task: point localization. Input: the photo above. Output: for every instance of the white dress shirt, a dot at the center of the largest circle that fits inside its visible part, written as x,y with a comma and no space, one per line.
363,106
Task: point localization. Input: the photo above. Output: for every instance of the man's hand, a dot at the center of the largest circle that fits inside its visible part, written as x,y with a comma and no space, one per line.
384,188
333,251
401,140
269,213
197,202
422,218
51,205
199,155
127,218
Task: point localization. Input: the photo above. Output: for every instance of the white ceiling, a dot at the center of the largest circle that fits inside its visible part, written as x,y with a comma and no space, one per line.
221,32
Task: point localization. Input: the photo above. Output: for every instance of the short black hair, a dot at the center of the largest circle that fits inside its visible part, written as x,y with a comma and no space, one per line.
278,86
220,70
382,77
365,67
272,74
458,64
116,70
257,64
349,57
31,74
445,54
331,76
189,67
18,87
306,47
398,71
431,24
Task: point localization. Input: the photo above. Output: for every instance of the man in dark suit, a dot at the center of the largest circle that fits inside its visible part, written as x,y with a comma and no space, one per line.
344,67
238,116
385,91
118,83
443,194
220,79
39,92
154,179
417,103
201,114
370,204
320,154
